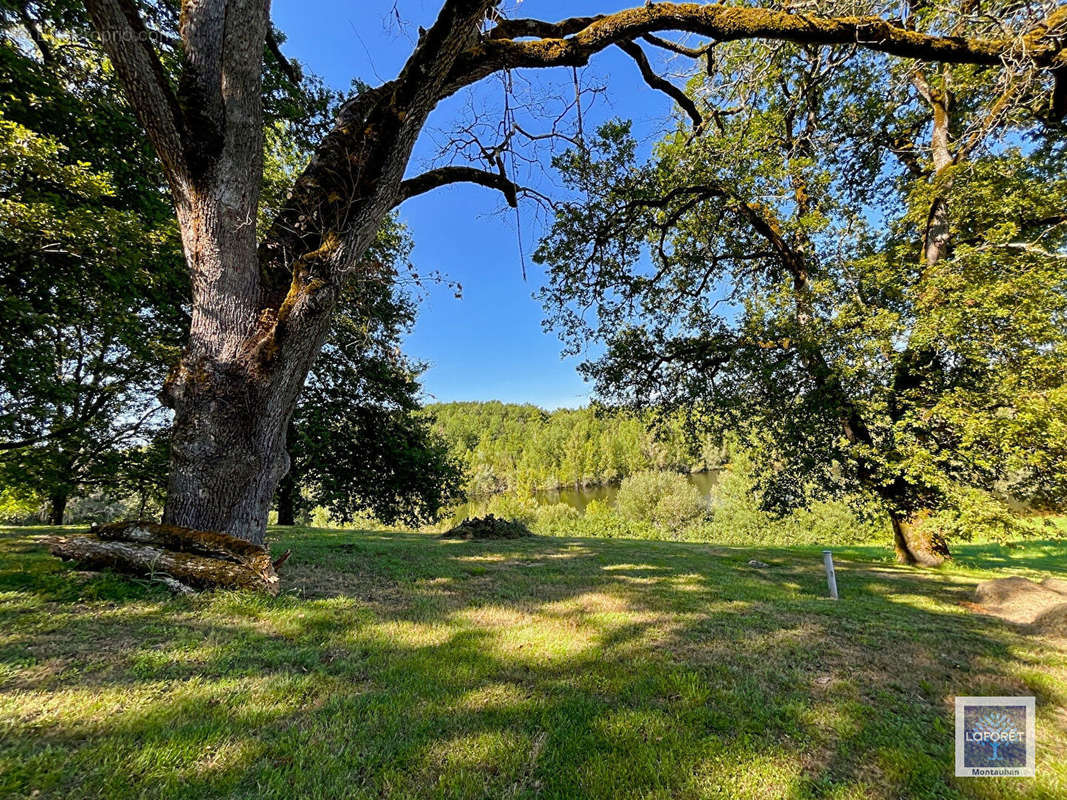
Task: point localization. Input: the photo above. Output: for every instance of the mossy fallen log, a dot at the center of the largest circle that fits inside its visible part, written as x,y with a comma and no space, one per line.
189,558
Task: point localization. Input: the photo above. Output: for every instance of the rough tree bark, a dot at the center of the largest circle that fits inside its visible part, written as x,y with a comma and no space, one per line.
260,313
915,546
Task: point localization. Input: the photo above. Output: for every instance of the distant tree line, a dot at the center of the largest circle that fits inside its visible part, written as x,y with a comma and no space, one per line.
509,447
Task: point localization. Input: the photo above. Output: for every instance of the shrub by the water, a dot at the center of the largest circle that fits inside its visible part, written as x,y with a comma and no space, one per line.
599,519
521,508
556,516
664,499
738,519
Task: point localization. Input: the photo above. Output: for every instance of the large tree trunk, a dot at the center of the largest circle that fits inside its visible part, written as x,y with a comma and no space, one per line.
227,445
57,507
227,458
915,546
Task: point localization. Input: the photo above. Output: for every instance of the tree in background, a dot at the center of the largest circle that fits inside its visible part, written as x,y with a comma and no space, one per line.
92,282
857,264
522,448
357,442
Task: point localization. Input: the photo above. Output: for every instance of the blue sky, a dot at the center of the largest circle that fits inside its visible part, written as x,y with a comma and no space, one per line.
490,344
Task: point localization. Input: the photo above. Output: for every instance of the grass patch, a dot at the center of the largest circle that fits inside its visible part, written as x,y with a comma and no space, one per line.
401,665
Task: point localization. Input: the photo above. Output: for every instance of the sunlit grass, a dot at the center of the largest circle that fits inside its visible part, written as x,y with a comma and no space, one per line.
399,665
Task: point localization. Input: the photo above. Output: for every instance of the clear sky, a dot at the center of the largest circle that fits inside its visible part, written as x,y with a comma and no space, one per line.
490,344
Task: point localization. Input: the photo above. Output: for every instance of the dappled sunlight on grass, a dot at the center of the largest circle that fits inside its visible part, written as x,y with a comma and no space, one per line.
407,666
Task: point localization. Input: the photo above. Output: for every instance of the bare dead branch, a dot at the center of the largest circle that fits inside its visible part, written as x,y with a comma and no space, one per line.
661,84
442,176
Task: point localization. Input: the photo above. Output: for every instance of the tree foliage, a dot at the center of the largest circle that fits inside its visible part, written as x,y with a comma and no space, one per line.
863,312
92,299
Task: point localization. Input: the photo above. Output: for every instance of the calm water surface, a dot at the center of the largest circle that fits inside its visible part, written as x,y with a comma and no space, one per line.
580,498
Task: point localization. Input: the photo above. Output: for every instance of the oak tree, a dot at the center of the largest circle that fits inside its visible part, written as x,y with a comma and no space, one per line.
857,262
261,306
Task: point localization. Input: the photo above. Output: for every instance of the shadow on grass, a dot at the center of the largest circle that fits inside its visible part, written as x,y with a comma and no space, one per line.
402,665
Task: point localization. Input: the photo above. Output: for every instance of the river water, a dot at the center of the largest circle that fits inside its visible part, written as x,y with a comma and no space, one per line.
579,498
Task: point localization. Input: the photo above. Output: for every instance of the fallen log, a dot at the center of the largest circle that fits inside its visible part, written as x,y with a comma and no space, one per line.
181,557
212,544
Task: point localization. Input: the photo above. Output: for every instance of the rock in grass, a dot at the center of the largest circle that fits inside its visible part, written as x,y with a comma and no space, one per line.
487,527
181,558
1052,622
758,564
1017,599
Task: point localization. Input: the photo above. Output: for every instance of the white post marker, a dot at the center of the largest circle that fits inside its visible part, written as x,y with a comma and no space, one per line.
831,579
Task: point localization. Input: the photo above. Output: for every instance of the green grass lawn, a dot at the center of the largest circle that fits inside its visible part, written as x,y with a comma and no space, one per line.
400,665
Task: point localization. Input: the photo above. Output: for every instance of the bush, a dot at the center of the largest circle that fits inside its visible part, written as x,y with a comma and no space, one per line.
510,506
738,519
664,499
18,506
556,519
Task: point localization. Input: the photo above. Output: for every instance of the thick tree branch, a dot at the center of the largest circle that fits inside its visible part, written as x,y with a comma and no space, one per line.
128,44
357,169
565,46
518,28
443,176
219,89
662,84
284,64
